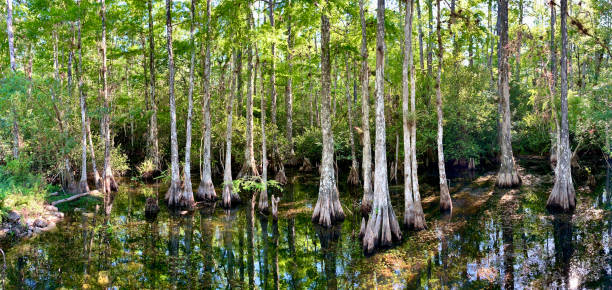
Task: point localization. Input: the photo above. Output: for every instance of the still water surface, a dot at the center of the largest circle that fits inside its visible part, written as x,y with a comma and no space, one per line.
494,239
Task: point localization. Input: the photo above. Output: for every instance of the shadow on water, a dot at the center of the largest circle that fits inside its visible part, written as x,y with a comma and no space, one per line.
493,239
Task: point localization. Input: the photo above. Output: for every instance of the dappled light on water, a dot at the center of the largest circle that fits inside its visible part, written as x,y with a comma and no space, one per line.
494,238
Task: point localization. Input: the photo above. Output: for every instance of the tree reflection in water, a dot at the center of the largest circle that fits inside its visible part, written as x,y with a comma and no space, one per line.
329,239
480,247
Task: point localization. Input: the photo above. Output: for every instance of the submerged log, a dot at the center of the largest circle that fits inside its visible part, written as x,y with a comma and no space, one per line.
76,196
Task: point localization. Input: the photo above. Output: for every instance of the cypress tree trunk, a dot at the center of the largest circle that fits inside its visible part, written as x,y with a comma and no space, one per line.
83,187
430,38
278,163
96,174
187,194
413,211
366,201
563,196
9,31
420,28
67,179
153,152
249,168
262,205
445,199
507,176
382,228
554,152
206,190
173,196
353,177
108,180
328,209
230,198
289,102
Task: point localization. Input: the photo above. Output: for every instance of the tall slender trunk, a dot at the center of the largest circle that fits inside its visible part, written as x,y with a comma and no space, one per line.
382,227
83,187
554,152
311,102
108,179
262,205
94,167
9,31
278,163
68,182
563,196
289,102
430,38
230,198
328,209
420,28
413,211
445,200
366,201
173,196
187,194
249,168
353,177
153,152
206,190
316,96
507,176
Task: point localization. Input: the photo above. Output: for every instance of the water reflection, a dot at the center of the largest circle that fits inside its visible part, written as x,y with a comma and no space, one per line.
480,246
564,248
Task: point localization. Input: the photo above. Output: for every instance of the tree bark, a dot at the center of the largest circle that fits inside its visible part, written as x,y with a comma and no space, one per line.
413,211
278,163
206,190
230,198
249,168
9,31
445,200
430,38
353,177
382,227
187,194
328,209
554,152
366,201
420,28
563,196
108,179
153,150
96,174
153,140
507,176
83,187
289,102
68,182
262,205
173,196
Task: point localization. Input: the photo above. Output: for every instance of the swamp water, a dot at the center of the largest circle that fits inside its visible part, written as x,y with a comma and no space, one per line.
494,239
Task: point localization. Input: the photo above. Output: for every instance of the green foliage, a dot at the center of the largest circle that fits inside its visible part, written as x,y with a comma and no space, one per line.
253,184
145,168
309,144
20,188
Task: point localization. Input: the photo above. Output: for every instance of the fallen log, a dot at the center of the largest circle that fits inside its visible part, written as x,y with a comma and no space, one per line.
76,196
